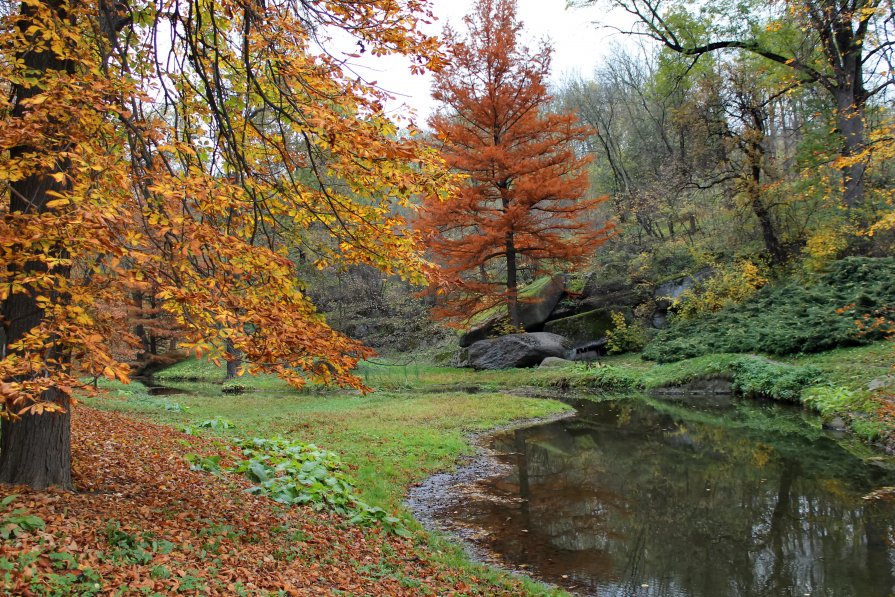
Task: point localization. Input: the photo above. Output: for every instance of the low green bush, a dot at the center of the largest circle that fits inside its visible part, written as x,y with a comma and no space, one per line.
755,377
791,317
624,336
295,473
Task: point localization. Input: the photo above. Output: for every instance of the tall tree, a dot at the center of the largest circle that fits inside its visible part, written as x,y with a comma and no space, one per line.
844,46
524,197
188,147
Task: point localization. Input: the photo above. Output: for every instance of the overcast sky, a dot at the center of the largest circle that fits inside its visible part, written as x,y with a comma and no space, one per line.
578,46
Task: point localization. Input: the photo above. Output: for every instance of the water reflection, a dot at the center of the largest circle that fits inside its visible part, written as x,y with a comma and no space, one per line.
626,499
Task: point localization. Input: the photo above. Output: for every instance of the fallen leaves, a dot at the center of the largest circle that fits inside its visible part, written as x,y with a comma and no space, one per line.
143,522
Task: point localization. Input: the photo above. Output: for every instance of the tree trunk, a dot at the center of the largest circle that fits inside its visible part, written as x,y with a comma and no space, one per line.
754,138
512,284
850,121
35,450
234,360
772,242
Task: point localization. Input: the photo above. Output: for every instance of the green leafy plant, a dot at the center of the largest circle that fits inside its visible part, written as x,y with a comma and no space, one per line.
295,473
18,521
217,423
134,548
210,464
174,406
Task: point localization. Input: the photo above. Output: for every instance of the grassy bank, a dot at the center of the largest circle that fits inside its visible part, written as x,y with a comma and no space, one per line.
834,383
389,438
419,418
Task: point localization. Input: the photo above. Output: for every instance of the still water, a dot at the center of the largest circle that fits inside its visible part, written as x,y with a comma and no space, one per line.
637,498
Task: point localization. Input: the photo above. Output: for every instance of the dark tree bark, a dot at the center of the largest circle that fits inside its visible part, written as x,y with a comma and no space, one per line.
512,282
234,360
35,450
754,138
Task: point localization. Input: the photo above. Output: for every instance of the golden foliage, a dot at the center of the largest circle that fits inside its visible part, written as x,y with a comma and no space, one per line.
729,285
192,147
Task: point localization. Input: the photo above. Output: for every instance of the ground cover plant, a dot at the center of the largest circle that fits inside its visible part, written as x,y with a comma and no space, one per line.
790,317
388,439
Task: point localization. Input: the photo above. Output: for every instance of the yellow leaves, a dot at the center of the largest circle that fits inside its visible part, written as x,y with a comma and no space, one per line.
728,285
39,408
166,199
119,372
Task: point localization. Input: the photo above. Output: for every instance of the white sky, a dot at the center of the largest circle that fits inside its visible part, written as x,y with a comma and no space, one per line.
578,46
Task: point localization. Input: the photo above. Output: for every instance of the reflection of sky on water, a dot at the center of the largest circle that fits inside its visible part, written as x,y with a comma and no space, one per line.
627,500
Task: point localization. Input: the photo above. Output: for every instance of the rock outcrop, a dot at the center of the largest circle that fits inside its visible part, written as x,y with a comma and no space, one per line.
516,350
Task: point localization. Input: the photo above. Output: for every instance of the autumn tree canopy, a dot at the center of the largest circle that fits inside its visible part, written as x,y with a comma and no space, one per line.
524,196
184,148
844,47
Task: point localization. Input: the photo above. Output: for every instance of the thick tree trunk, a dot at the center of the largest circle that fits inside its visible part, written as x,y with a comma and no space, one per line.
35,450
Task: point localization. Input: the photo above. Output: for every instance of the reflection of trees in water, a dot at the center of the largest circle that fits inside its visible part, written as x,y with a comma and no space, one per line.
688,509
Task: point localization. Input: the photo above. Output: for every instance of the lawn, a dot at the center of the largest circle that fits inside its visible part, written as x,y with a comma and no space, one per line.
390,438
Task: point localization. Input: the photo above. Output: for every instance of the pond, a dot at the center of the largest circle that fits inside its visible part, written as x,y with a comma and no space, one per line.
645,497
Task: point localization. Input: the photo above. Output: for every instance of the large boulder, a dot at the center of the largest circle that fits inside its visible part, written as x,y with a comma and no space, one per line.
484,330
517,350
590,325
537,301
609,292
554,363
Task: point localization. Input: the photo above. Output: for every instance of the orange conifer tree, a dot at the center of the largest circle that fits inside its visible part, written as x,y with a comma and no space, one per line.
524,197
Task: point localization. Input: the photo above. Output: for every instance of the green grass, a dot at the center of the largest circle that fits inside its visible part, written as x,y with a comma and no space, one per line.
390,439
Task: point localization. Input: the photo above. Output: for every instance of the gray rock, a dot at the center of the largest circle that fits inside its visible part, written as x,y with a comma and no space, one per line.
882,383
486,329
516,350
597,285
535,308
666,293
460,358
552,362
835,424
707,386
675,288
589,351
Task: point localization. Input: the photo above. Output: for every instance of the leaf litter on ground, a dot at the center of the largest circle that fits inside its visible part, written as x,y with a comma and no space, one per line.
144,520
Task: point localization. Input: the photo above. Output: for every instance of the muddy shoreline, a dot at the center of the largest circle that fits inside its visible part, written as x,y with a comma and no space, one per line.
439,494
